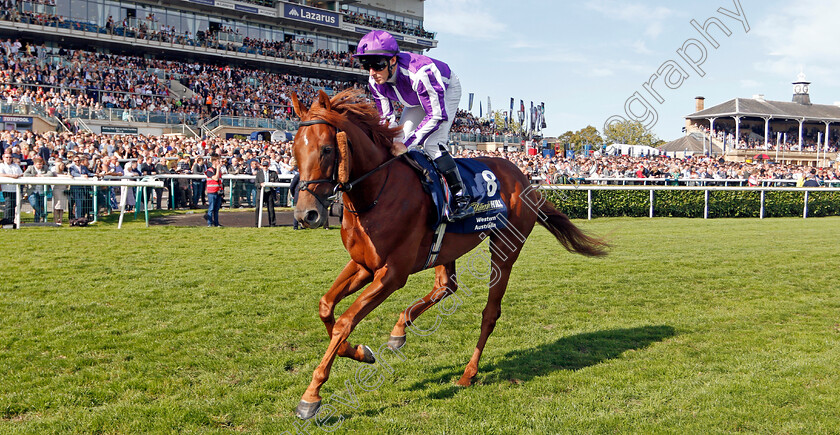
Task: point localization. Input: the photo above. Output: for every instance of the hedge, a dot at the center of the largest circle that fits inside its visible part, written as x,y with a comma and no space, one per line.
686,203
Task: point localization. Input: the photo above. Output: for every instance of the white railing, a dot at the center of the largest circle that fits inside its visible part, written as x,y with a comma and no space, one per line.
55,181
589,188
741,182
285,183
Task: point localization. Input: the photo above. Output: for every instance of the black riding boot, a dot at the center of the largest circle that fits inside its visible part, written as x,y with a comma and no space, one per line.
463,209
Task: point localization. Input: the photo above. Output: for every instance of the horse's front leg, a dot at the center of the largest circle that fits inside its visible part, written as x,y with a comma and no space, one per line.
385,281
444,286
352,278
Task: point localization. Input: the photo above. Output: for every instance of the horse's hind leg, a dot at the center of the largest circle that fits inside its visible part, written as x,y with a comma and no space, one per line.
444,286
349,281
493,309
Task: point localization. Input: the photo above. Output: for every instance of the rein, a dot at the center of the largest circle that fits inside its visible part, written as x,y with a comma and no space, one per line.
303,185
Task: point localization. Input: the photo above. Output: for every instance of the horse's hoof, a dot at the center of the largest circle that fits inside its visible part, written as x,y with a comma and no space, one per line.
306,410
396,343
464,381
369,357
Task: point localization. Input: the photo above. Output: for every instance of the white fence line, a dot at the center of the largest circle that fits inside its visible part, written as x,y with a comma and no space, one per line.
741,182
589,188
61,181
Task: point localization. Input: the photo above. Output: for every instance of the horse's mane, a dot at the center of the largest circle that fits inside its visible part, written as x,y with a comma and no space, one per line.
352,105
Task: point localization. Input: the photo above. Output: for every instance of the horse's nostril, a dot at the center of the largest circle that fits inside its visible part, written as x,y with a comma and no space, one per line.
311,216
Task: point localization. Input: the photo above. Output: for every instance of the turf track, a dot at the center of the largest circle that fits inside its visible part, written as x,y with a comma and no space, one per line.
688,326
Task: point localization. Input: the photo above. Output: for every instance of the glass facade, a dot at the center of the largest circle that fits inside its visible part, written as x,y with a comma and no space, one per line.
411,22
96,12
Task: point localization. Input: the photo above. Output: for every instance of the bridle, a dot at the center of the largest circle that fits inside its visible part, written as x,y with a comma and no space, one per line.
339,187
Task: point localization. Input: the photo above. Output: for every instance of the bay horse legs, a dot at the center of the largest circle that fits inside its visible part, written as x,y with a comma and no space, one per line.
443,281
352,278
385,281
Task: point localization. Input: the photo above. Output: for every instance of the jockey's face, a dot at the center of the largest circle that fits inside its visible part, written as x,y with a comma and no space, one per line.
380,71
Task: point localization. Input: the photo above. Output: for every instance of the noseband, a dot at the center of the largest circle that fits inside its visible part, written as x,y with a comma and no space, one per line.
303,185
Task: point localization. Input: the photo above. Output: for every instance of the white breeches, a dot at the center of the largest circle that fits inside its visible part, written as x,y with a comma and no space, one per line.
412,116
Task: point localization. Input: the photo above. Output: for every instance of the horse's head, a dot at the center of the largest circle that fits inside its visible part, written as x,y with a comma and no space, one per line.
316,151
323,152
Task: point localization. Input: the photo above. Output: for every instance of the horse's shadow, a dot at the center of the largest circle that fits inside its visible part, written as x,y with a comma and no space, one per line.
574,352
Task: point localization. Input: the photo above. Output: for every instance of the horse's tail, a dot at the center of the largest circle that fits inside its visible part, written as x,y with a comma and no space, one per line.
571,237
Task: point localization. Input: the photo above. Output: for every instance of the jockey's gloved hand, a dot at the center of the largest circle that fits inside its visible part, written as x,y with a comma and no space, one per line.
398,148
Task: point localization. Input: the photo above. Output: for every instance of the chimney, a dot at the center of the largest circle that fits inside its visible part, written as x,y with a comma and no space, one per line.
699,103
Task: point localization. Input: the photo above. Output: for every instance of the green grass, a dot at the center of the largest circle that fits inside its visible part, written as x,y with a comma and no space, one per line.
689,326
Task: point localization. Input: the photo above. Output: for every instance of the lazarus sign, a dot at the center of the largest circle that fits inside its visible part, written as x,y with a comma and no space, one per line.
317,16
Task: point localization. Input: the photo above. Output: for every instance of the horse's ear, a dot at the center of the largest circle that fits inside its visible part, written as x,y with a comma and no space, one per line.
344,157
324,100
299,109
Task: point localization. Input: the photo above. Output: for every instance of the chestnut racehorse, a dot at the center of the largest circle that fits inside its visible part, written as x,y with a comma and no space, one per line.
342,146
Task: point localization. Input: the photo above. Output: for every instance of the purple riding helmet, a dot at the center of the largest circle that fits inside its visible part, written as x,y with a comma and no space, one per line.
377,43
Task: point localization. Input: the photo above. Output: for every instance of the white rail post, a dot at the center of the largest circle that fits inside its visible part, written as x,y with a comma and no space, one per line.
259,207
805,209
17,205
761,213
589,202
651,202
706,208
123,195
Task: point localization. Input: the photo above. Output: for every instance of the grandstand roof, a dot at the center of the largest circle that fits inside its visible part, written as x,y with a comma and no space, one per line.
751,107
692,142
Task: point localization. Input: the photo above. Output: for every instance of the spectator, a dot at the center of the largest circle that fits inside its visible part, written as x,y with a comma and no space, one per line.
79,194
268,195
198,185
60,193
9,169
215,190
811,181
37,193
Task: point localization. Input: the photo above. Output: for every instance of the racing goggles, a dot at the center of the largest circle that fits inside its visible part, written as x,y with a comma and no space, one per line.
377,63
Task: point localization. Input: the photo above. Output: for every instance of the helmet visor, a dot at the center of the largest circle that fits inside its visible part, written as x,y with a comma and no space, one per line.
376,63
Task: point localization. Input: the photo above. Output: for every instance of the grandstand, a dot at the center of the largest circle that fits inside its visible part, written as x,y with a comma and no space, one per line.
796,132
198,67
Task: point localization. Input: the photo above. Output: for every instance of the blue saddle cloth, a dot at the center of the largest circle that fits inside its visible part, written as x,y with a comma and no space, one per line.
481,184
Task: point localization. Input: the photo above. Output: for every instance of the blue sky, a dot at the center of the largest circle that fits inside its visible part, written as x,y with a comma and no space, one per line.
585,59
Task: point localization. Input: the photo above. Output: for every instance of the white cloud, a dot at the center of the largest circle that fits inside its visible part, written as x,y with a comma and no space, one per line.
602,72
749,83
639,47
651,18
466,18
544,53
801,35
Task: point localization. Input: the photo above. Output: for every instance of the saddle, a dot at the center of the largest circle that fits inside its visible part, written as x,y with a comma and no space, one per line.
482,186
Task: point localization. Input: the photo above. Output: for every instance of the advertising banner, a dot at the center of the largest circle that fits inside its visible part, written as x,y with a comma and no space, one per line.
311,15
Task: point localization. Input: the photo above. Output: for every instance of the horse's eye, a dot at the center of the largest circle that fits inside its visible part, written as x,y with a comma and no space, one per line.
326,150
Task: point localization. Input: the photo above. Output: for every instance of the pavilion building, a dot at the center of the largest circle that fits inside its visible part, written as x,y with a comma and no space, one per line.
795,132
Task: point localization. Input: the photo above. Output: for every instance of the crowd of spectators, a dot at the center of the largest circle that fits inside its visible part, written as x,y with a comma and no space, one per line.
97,82
150,29
178,154
389,25
671,170
750,139
88,155
466,122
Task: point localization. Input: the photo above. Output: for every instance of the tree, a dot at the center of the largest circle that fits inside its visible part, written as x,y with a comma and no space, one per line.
630,133
499,119
589,135
566,138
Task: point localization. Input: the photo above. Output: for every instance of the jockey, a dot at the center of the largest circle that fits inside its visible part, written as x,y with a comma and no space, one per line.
429,92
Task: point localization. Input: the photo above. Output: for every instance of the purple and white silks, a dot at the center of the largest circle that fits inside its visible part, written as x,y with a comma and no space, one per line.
429,93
